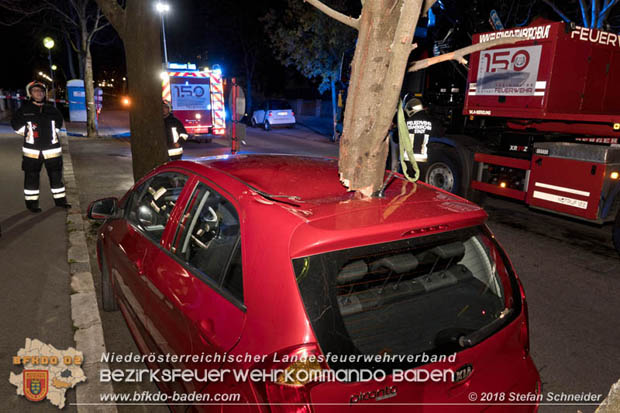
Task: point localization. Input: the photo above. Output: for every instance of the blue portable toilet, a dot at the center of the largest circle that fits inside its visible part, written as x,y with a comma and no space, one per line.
77,100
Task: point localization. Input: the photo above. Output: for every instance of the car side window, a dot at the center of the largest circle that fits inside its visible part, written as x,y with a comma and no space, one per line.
152,203
208,240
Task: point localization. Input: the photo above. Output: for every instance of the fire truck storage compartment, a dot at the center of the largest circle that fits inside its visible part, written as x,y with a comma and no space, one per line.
560,73
569,177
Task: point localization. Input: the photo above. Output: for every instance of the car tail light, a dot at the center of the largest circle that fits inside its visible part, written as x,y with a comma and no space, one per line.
270,114
292,113
292,395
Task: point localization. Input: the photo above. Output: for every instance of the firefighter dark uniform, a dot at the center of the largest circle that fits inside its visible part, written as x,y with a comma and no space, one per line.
420,126
175,131
39,124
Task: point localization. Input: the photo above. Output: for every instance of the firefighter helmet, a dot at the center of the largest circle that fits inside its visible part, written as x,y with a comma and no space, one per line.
413,106
33,84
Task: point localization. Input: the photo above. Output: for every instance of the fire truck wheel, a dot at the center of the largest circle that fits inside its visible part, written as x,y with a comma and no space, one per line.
442,170
616,232
267,125
107,292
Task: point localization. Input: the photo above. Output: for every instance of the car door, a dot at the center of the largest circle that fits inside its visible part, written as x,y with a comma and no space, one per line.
134,242
156,214
208,243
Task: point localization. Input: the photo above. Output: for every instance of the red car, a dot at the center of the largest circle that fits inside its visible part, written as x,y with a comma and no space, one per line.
266,263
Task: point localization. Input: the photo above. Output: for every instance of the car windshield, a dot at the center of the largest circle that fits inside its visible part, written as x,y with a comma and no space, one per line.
279,105
434,294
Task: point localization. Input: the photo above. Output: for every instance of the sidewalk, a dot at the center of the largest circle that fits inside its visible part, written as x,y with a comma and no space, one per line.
112,123
321,125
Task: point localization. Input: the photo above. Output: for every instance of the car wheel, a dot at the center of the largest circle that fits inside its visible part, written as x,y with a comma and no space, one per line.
616,232
107,291
253,123
267,125
442,170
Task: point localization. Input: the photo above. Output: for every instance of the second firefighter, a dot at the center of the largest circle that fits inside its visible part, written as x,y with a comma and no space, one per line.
175,131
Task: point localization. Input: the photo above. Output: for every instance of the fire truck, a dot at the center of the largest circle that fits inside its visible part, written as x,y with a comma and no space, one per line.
197,99
541,124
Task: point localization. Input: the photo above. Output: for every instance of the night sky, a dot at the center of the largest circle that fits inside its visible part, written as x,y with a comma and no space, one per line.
199,31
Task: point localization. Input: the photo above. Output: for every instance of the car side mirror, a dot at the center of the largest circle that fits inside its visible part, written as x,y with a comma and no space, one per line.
102,209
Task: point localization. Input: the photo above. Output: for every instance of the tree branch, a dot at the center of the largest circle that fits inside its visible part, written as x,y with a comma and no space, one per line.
114,13
459,55
54,7
336,15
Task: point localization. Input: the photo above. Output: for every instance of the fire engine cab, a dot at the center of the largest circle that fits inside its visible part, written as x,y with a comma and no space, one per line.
197,98
542,124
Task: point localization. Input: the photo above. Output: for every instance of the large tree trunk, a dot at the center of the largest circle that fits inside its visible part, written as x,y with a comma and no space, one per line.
144,62
384,43
139,28
91,108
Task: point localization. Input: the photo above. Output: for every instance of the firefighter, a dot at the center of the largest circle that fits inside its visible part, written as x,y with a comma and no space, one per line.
39,123
420,126
174,132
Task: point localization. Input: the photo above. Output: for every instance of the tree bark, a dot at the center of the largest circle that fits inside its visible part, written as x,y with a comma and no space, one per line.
89,89
139,28
384,43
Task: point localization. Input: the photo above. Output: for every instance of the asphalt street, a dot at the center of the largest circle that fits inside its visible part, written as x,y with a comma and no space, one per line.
35,299
569,269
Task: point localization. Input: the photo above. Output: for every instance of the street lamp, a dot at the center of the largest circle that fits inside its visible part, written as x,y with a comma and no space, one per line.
48,42
163,8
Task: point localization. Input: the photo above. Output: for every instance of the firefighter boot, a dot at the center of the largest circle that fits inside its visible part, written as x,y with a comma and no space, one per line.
62,202
33,206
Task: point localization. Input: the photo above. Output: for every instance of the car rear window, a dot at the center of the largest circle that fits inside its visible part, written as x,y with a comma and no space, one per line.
279,105
435,294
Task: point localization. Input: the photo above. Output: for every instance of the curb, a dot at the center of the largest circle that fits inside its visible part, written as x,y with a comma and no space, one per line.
87,323
84,135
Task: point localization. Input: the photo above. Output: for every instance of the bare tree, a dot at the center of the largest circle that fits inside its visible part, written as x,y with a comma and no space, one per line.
80,16
77,17
139,27
384,43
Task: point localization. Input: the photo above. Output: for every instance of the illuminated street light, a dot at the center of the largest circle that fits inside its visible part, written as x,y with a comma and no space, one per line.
48,43
54,67
163,8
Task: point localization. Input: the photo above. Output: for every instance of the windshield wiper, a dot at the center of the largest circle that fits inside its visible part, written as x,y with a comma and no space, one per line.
477,336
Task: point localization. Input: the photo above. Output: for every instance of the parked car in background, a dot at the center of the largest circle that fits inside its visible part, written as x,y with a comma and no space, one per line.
275,112
270,256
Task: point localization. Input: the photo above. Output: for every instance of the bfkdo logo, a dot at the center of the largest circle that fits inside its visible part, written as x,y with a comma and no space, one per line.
36,384
47,372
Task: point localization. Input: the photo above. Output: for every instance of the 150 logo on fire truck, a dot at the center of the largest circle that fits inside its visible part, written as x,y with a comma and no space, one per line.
190,96
508,72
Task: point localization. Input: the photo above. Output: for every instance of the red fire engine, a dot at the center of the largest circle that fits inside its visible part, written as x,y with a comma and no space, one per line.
197,99
543,124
